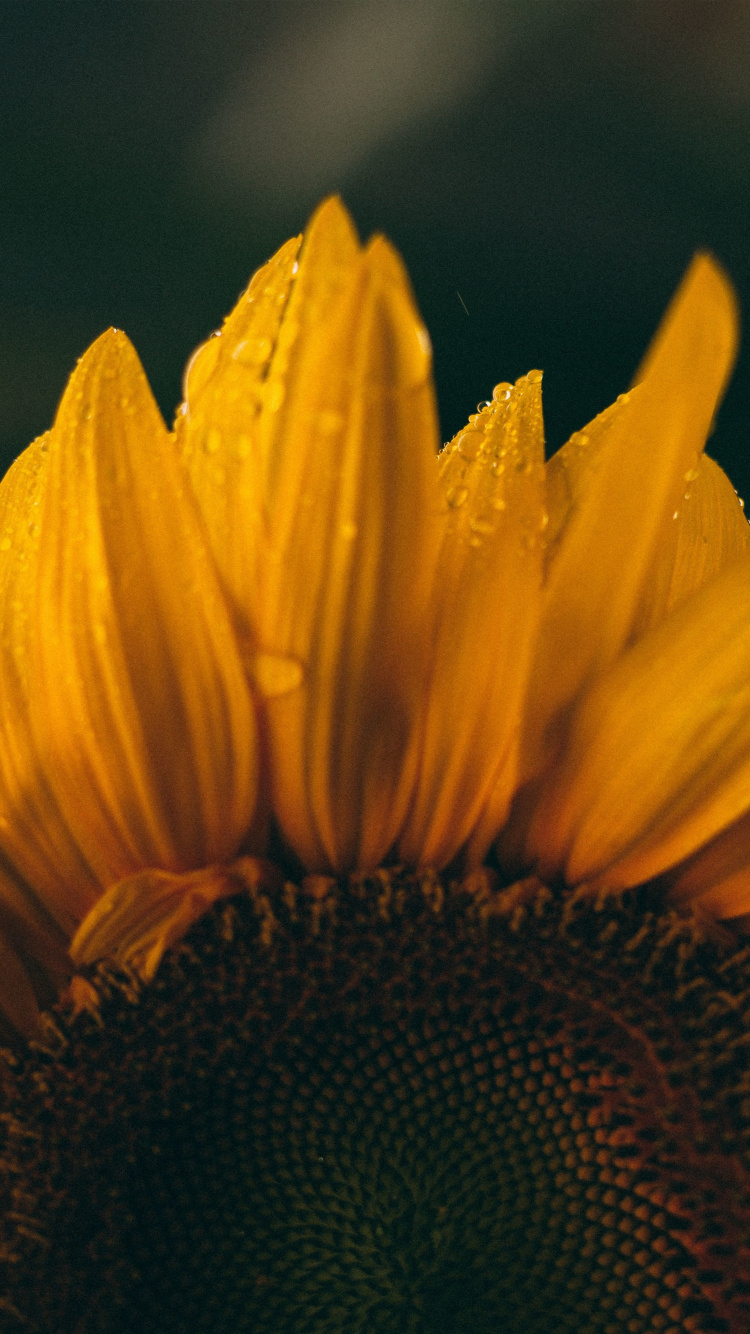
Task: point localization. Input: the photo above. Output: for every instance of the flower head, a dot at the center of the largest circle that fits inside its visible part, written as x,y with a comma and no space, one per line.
293,631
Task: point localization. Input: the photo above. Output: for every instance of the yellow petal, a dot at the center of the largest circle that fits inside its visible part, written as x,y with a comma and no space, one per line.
141,917
217,428
712,532
138,696
34,835
658,760
613,541
487,591
329,250
717,876
352,513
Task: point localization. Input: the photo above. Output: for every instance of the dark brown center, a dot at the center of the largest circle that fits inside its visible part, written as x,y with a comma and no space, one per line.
399,1109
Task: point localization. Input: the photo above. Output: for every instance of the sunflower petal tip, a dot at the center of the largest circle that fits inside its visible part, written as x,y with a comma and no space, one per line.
332,220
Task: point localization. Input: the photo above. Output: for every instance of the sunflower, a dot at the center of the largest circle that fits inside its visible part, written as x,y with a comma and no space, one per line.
372,820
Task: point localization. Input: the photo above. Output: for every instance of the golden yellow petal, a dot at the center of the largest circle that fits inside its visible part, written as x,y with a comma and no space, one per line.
353,532
138,696
612,545
712,532
717,876
34,835
330,248
142,916
217,427
658,759
487,592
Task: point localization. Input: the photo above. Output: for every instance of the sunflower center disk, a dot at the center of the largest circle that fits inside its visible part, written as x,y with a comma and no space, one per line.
393,1111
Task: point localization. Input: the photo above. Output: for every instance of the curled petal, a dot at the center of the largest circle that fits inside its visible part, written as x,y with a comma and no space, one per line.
140,917
352,515
137,693
487,591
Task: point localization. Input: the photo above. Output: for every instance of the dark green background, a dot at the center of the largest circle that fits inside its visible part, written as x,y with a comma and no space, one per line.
561,192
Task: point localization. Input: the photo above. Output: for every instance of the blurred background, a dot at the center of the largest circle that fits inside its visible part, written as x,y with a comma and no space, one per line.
546,167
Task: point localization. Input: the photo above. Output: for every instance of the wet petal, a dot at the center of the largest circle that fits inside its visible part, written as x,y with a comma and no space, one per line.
712,532
34,834
217,428
658,760
487,591
613,541
352,515
138,696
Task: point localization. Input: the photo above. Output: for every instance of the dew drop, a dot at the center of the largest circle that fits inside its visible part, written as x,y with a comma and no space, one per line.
482,526
482,407
276,674
691,474
497,503
535,377
200,368
468,443
253,351
456,495
502,391
212,443
742,503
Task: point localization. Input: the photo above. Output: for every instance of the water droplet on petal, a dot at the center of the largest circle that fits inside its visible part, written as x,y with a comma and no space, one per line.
468,443
200,368
276,674
482,526
212,442
456,495
535,377
253,351
502,391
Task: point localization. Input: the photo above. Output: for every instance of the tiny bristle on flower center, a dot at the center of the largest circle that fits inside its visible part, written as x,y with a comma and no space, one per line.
391,1106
